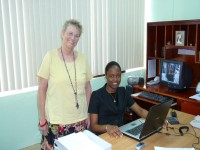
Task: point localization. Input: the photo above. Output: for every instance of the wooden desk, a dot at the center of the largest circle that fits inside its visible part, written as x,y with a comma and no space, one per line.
184,103
159,139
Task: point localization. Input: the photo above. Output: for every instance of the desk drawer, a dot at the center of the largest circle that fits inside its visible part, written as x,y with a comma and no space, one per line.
191,108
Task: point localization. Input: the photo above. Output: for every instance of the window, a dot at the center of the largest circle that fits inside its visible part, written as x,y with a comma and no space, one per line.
112,30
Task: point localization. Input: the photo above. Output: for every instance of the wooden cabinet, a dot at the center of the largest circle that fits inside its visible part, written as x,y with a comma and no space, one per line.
161,44
190,107
182,101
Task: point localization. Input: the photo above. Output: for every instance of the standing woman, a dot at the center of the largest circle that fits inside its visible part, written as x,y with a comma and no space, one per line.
64,88
108,104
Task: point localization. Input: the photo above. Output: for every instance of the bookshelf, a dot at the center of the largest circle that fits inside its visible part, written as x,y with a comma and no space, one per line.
161,44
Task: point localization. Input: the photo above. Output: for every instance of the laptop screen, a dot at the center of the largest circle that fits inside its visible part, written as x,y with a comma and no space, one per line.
156,118
153,123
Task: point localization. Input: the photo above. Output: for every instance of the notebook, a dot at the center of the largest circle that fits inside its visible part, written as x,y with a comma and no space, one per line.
140,129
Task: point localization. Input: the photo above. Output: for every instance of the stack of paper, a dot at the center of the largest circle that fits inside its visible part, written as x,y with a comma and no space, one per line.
196,96
82,140
165,148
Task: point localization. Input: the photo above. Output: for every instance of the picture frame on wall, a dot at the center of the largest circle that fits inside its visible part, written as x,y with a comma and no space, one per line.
180,38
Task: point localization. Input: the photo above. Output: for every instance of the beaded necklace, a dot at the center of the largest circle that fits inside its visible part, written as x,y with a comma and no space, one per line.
74,87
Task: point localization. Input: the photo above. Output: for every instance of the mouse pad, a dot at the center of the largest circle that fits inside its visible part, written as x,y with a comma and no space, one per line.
172,120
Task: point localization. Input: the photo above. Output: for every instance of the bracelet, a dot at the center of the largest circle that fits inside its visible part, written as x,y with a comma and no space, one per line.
42,125
106,127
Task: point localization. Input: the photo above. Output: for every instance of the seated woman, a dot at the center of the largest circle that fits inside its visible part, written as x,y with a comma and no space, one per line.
108,104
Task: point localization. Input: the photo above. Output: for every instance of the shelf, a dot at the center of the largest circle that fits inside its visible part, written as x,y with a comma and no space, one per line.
161,39
150,57
179,47
161,44
181,99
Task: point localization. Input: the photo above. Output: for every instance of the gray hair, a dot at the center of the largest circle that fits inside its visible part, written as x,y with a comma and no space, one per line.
74,23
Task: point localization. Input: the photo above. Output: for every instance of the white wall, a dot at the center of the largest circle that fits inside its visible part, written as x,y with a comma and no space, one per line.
167,10
19,118
100,81
19,115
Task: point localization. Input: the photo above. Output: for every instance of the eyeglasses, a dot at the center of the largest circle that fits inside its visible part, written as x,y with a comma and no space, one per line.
72,35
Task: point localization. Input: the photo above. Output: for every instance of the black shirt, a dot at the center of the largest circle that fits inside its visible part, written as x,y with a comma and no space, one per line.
108,111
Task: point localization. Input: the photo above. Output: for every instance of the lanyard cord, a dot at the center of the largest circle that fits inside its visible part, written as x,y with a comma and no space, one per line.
74,88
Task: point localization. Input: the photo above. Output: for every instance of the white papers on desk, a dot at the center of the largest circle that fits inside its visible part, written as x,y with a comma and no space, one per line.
165,148
186,52
82,140
196,96
135,94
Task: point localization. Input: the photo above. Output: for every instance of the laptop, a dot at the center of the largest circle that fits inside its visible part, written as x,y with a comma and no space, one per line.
142,128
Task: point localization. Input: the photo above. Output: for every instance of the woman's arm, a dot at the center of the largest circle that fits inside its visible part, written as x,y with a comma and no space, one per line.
139,110
88,91
112,130
95,127
42,89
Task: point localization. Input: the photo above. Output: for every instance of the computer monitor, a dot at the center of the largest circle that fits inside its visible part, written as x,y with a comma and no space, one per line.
176,75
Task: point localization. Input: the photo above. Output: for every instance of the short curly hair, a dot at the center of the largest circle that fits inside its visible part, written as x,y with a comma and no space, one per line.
74,23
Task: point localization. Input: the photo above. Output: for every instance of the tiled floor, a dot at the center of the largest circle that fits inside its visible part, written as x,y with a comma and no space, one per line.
33,147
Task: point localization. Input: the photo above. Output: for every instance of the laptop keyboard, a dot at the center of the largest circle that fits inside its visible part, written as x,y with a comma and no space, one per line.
136,130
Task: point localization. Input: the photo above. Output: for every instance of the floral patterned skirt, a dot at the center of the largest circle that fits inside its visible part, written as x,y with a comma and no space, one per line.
56,131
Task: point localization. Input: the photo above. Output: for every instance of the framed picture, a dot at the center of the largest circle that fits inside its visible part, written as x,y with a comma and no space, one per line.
180,38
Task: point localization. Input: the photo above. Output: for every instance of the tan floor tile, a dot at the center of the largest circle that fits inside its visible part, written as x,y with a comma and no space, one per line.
33,147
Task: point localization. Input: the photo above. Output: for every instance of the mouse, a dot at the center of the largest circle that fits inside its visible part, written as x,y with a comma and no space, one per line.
173,113
157,79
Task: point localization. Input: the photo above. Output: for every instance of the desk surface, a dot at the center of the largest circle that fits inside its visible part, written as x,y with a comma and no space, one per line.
160,139
184,103
163,90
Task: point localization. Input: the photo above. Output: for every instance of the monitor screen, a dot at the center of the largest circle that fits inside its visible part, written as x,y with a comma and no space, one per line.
175,74
171,72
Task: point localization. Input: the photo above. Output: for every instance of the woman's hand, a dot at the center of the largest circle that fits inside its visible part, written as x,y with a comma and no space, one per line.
113,131
165,125
88,122
43,125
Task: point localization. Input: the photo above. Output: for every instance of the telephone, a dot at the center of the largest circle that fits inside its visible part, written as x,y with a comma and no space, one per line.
156,80
198,88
